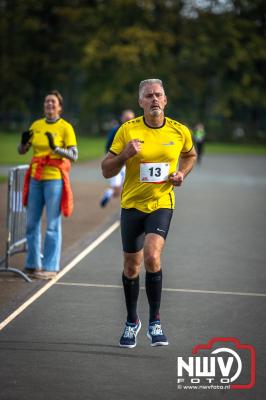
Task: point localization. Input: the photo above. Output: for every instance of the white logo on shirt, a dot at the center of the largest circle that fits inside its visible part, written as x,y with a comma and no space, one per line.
168,144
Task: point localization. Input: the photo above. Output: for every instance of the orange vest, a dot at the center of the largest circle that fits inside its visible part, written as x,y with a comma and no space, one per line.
64,165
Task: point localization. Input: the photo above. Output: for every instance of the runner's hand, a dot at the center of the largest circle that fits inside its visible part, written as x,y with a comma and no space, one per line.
132,148
25,137
176,178
51,140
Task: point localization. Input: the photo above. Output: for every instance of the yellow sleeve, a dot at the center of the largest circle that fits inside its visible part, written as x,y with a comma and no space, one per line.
118,142
69,136
188,143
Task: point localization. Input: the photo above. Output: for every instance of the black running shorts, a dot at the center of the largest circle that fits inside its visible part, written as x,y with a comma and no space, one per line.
136,224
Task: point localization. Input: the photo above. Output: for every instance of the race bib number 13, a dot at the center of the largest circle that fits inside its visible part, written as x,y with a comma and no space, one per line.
154,172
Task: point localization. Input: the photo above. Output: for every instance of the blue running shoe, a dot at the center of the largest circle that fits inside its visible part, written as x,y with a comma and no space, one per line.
105,200
129,337
156,335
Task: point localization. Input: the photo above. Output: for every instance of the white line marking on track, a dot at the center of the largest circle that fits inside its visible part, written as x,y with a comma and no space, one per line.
96,285
99,285
68,267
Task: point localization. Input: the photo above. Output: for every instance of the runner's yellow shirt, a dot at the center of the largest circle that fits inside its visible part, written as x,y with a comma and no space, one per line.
64,136
146,185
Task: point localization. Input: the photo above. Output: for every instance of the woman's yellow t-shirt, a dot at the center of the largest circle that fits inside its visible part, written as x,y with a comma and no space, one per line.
64,136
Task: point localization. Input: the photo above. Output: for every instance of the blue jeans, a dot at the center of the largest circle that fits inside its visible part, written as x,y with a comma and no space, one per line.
46,193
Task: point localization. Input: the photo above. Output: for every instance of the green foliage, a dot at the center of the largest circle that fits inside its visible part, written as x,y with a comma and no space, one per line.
212,60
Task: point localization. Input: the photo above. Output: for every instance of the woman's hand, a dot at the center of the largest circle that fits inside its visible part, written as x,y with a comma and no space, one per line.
25,137
50,140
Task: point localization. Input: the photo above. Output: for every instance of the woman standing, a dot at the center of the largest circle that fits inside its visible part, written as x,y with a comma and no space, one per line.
47,184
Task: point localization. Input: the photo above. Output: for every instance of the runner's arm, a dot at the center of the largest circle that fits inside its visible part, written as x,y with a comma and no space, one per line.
186,163
113,163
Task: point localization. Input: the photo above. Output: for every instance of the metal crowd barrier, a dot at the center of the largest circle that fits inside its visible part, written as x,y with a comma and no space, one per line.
16,219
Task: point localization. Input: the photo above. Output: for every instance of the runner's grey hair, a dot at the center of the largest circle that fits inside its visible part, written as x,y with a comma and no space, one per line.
148,82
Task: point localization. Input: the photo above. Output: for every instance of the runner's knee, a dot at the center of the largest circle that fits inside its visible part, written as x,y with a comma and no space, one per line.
131,271
131,267
152,262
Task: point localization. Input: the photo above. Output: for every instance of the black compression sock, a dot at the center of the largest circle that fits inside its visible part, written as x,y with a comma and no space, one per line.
153,283
131,289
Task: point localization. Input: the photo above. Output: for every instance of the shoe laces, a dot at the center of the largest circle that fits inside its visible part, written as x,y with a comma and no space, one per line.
156,330
129,332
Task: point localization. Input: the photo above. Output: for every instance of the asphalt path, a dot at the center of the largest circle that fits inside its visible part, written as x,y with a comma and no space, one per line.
65,344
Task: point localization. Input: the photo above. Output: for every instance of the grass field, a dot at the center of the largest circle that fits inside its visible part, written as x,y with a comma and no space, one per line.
90,148
235,148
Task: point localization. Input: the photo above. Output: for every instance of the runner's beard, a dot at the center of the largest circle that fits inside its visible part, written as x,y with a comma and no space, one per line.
155,112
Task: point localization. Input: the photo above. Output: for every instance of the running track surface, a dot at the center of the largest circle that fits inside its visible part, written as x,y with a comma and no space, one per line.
64,344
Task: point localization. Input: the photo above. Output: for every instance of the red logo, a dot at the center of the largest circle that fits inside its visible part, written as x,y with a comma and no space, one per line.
222,363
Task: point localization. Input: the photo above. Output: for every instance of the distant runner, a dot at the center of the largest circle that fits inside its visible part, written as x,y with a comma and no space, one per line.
116,182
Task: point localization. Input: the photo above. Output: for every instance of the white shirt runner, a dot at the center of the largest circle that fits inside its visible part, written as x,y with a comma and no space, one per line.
154,172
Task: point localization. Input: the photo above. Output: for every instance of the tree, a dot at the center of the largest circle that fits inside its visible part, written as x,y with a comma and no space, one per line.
211,56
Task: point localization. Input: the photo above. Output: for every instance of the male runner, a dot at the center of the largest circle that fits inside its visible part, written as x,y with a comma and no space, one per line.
158,153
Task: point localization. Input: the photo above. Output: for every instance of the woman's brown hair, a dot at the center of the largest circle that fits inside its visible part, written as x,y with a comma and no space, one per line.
58,95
